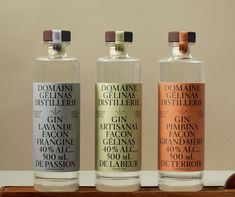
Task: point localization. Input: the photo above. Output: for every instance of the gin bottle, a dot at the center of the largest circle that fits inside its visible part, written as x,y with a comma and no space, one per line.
118,116
56,121
181,105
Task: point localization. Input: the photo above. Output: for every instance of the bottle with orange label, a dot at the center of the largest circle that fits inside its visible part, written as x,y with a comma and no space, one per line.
181,120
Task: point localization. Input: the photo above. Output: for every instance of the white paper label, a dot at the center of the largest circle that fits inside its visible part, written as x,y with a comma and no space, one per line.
56,126
56,36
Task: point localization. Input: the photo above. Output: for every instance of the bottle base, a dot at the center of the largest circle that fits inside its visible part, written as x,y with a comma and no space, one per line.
118,182
53,188
180,181
173,185
56,182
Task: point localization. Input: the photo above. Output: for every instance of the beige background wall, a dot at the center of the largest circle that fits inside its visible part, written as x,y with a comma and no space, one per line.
21,26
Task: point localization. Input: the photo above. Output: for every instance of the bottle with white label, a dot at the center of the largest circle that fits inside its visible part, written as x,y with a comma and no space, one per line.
56,116
118,116
181,122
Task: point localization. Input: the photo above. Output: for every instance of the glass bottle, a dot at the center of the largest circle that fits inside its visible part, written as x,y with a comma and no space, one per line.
56,116
181,105
118,116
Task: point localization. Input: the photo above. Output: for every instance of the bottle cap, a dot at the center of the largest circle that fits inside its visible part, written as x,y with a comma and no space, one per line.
178,36
118,36
56,36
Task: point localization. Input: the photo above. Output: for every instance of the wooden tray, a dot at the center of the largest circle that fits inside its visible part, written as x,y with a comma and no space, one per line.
92,192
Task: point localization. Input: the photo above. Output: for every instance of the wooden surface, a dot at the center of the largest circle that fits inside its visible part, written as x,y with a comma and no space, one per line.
91,192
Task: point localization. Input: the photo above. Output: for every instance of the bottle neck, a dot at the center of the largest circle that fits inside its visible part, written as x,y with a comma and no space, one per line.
56,50
118,50
178,53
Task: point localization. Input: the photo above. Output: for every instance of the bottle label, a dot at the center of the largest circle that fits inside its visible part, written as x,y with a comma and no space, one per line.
181,126
118,127
56,36
56,126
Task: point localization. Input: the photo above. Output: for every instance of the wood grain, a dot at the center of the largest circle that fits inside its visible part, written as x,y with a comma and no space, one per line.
92,192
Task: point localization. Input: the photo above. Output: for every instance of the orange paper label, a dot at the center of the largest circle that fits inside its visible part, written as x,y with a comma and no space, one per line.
181,126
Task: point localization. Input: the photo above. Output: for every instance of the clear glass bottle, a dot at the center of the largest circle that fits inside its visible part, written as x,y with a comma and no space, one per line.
181,117
118,84
56,116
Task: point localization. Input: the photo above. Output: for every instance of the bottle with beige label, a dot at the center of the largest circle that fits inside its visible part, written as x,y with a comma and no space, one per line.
118,116
181,122
56,116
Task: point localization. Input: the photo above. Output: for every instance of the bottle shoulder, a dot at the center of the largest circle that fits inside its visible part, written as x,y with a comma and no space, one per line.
45,58
181,60
117,59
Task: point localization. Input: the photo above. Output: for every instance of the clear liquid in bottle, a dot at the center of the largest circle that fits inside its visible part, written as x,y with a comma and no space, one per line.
181,117
118,117
56,121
